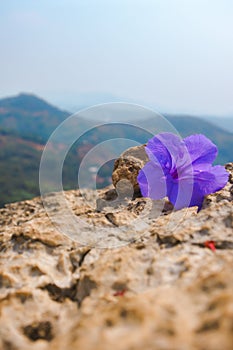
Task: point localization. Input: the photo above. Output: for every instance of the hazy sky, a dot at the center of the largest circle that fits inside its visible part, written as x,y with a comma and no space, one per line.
176,55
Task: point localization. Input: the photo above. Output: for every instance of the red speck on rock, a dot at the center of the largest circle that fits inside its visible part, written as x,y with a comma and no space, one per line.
119,293
210,245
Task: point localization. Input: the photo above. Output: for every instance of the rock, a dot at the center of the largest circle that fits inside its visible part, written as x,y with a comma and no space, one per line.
169,288
127,166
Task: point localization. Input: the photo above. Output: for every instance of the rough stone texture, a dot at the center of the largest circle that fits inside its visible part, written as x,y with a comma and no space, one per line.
128,165
166,290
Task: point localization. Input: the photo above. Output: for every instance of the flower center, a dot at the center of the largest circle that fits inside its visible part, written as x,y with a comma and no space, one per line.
174,174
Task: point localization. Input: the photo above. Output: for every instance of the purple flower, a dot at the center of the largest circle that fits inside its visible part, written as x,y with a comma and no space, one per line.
181,170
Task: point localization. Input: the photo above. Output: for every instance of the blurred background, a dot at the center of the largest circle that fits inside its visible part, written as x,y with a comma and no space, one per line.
57,57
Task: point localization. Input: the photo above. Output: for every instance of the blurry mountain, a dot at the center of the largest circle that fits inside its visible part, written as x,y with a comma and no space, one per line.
225,123
27,121
28,115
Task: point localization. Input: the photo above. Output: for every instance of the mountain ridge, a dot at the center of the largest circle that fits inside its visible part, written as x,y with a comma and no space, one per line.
31,101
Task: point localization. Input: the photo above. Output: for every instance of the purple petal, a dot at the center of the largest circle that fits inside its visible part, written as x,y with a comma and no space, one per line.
180,194
197,197
172,189
161,148
152,182
206,182
201,149
188,192
212,180
177,149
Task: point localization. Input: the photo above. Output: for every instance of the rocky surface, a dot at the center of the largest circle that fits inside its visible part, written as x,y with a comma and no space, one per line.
127,167
170,288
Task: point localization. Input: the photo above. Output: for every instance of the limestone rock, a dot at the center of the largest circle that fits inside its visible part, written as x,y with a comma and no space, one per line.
170,288
128,165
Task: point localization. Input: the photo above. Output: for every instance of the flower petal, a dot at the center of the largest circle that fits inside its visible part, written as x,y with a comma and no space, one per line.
190,192
172,190
161,148
197,197
151,181
211,180
176,148
180,194
201,149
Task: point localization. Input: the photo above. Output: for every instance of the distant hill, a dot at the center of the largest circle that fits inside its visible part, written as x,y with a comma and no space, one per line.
225,123
29,115
26,123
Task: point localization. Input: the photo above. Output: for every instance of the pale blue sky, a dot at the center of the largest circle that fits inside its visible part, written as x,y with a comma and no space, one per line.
175,55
